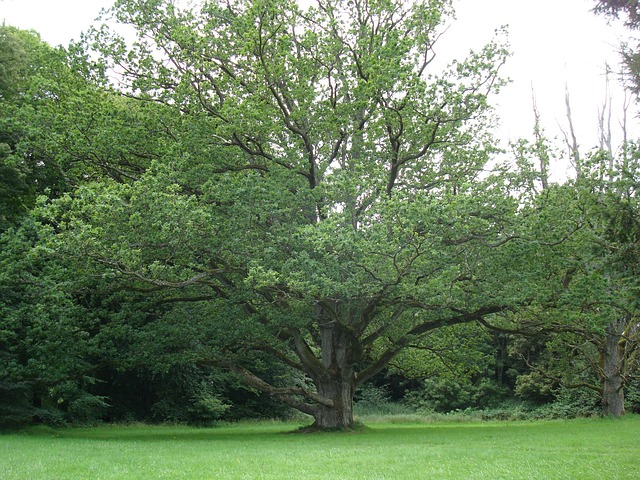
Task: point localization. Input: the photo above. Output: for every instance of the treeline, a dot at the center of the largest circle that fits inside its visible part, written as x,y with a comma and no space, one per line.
253,209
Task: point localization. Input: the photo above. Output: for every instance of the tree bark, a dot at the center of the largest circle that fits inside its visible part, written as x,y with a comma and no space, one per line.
340,351
612,369
339,416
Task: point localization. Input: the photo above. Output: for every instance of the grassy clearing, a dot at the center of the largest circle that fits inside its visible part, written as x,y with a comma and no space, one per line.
575,449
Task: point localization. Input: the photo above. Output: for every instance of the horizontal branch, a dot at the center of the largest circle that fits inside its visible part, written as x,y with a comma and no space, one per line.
287,395
535,330
418,330
545,374
198,279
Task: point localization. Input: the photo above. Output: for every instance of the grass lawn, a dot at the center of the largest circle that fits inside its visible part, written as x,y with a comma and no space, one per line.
575,449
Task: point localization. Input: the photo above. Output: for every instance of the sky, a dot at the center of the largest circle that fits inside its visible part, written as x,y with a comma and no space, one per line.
557,46
554,43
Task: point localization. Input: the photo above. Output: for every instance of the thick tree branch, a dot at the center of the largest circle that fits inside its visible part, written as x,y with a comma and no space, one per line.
397,345
288,395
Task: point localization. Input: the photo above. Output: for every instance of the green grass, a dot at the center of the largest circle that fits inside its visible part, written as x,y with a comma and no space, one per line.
569,449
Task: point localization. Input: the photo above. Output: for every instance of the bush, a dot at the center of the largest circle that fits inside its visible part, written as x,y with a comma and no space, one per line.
439,395
189,395
632,396
572,403
16,409
535,388
371,400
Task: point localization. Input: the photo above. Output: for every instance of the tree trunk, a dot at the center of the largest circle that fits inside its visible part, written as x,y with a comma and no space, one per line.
612,367
340,415
340,349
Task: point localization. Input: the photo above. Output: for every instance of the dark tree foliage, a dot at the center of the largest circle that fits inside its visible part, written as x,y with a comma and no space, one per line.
621,8
629,10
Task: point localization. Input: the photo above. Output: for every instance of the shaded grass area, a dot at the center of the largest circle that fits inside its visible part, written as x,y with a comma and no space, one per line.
569,449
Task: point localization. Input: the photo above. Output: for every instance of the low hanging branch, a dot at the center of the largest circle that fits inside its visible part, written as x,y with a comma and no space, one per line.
290,395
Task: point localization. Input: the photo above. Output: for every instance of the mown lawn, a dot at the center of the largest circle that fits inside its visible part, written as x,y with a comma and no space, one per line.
575,449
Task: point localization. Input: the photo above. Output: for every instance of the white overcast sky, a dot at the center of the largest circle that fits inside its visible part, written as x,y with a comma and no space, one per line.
554,42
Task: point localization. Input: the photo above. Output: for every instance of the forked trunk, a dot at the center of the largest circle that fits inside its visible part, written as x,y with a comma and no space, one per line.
612,368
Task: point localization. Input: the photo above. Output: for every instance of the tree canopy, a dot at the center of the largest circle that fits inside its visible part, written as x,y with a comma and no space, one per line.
319,198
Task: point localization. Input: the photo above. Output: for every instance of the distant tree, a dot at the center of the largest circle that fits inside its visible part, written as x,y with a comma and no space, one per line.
46,341
591,322
629,10
59,127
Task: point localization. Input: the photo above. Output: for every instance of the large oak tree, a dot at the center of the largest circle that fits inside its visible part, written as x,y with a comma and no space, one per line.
321,196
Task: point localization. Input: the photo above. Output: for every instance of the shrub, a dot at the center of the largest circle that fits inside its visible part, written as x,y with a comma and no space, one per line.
632,396
535,388
438,395
372,400
572,403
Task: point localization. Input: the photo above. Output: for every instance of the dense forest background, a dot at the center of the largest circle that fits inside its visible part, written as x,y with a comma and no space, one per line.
255,211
